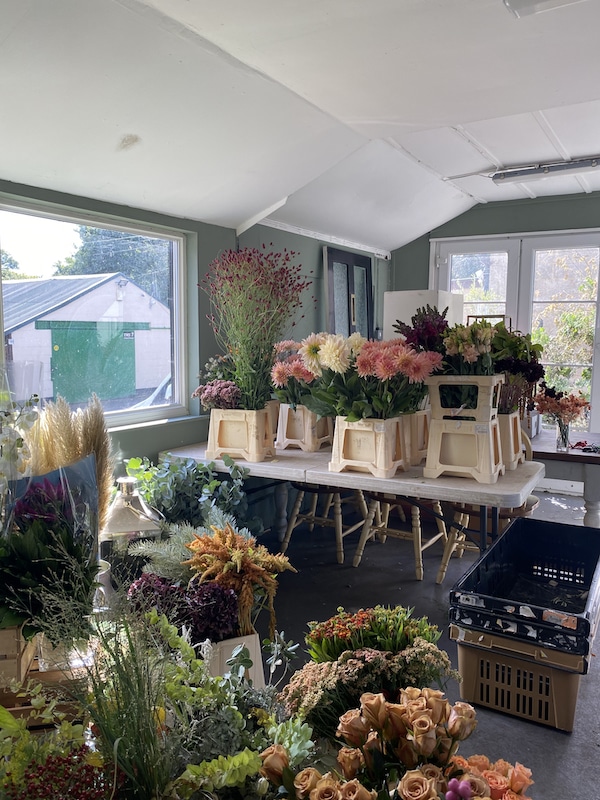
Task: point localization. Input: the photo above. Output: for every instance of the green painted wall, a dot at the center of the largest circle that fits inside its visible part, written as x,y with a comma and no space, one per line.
310,256
410,264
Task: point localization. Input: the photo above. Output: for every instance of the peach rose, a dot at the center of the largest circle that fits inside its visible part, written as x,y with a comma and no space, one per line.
446,747
461,722
423,735
458,764
416,707
326,789
478,763
439,707
305,781
405,753
510,795
374,709
436,774
498,783
350,760
501,766
479,786
409,693
353,728
274,761
415,786
373,744
397,720
353,790
519,778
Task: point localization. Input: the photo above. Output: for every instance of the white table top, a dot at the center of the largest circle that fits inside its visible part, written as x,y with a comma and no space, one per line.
510,491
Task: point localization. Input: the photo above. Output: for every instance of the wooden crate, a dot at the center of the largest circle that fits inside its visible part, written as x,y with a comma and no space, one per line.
16,654
377,446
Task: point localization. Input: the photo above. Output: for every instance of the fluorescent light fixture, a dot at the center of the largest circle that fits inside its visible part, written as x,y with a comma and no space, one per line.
538,171
522,8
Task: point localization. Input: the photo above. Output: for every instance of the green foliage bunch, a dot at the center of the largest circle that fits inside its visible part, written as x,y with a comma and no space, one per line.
379,628
185,491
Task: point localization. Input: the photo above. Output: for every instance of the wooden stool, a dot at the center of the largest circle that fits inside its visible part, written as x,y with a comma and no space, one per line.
377,523
334,498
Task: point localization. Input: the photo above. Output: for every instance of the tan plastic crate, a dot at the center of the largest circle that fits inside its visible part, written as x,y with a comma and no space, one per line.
518,686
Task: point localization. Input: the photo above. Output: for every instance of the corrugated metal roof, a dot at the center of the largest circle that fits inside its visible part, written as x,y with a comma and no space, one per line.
28,300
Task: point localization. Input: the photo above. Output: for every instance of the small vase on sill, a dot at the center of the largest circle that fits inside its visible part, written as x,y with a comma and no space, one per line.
563,430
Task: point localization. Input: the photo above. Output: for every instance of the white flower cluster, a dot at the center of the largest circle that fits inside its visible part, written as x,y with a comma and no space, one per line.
15,421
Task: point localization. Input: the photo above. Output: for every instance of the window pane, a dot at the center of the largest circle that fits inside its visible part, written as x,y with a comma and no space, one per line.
481,279
564,314
96,318
361,321
340,299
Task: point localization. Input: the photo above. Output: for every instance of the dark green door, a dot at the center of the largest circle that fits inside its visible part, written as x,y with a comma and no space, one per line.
92,357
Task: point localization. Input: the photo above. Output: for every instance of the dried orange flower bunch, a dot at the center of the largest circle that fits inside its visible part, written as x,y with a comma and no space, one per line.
237,562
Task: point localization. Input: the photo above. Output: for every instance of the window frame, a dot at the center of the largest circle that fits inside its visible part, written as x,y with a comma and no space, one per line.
521,248
179,406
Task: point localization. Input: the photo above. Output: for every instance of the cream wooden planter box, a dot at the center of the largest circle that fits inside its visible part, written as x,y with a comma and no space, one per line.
16,654
377,446
416,429
242,433
511,439
222,651
302,428
465,440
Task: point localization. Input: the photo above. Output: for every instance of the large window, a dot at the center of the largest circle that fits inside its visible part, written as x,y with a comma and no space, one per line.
546,285
90,307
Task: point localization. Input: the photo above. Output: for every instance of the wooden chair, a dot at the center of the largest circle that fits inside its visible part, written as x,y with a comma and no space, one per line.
332,498
377,524
464,515
458,541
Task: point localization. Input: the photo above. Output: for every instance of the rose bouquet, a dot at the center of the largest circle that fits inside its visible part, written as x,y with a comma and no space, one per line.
360,379
403,749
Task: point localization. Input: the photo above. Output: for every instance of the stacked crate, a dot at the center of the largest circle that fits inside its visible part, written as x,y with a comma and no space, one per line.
524,618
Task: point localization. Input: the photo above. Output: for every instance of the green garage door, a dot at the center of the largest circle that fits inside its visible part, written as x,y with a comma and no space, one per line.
92,357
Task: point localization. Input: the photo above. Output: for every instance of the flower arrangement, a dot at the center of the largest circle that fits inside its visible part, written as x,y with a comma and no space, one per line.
204,610
254,294
218,394
321,692
360,379
403,749
562,409
239,563
380,628
427,329
469,349
290,376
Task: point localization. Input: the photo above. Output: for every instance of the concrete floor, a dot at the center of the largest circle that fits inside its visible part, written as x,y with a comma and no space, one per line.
564,764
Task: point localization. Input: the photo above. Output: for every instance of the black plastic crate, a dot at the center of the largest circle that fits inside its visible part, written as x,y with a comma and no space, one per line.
540,581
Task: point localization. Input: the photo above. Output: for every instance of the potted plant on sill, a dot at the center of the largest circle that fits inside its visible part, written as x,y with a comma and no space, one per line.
369,387
254,295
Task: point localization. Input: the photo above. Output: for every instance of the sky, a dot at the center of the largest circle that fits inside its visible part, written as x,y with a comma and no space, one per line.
37,243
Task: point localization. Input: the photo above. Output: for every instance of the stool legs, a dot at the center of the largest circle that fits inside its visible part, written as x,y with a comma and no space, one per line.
292,521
